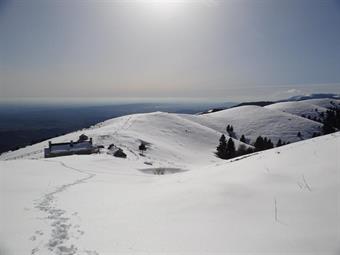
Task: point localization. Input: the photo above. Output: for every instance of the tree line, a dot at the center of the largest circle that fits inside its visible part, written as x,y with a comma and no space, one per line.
226,149
331,121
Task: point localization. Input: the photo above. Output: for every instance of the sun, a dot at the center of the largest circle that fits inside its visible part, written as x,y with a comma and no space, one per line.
164,8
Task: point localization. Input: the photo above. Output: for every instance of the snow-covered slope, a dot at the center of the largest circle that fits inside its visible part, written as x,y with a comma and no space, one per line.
281,201
327,103
170,138
253,121
173,137
312,108
299,108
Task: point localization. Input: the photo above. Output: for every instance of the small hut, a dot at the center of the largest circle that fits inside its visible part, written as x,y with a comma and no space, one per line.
82,138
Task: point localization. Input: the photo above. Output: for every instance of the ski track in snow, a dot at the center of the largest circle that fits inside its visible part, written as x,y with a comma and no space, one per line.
125,126
60,222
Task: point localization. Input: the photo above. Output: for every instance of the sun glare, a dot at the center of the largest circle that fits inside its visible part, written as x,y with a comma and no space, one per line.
165,8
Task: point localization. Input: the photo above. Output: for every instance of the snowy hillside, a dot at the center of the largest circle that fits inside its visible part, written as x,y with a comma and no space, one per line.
178,197
253,121
281,201
170,137
167,134
299,108
312,108
327,103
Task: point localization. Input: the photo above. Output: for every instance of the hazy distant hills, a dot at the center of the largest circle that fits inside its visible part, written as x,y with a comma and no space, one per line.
294,98
314,96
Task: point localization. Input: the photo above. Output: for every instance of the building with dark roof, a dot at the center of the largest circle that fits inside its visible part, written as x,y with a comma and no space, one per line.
69,148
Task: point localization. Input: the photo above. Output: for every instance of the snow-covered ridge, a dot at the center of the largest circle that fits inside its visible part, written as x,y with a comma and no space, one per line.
299,108
176,137
312,108
178,197
253,121
314,96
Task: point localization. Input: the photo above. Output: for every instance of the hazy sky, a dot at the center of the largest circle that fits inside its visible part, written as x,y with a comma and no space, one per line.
231,49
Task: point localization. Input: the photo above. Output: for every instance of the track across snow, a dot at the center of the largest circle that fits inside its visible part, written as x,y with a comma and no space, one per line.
278,201
59,222
177,198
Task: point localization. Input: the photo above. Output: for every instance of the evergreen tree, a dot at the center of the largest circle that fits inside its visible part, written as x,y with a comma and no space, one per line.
243,139
222,148
279,143
332,119
142,148
265,142
259,143
327,129
270,144
230,130
315,134
222,138
231,151
337,119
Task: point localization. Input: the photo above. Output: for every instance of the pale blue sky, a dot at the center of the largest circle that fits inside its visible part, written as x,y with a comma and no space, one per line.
230,49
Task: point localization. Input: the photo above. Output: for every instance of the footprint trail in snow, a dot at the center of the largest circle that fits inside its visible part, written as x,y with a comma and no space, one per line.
62,230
